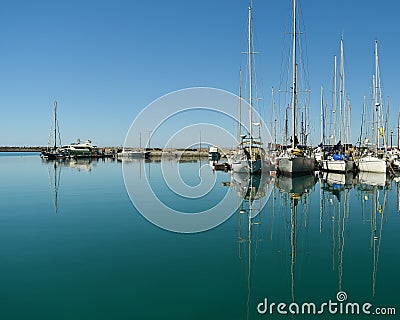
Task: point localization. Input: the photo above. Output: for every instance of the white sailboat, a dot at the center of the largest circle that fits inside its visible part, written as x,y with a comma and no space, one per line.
248,158
371,160
294,160
372,163
134,154
339,161
53,153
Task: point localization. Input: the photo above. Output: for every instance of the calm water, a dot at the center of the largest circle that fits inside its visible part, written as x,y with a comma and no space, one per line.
74,247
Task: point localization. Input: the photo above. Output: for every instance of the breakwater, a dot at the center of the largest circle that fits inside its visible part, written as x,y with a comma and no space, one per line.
155,153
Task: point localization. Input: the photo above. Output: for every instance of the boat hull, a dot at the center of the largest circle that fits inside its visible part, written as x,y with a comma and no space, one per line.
296,165
134,154
81,153
372,164
247,166
337,165
52,155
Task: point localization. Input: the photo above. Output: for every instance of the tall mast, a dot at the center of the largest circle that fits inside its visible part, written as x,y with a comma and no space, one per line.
334,98
240,106
363,121
348,122
386,125
341,95
55,125
398,131
294,84
377,94
286,124
274,115
250,82
322,117
375,140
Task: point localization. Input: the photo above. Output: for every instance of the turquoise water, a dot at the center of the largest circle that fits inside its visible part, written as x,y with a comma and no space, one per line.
74,247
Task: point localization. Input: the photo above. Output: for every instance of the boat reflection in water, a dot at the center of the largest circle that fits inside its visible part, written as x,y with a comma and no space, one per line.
252,188
55,166
334,179
294,190
296,185
335,206
373,179
373,188
335,183
253,191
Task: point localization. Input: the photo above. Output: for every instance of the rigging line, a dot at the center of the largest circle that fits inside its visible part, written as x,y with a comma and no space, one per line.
50,136
59,136
303,44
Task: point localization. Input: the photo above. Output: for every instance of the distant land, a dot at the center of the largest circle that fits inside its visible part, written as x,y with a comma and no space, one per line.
155,152
21,149
37,148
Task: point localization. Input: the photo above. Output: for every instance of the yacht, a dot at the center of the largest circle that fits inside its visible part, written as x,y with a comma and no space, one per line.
80,149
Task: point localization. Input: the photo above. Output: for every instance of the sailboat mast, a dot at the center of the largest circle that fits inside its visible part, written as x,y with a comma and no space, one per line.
274,115
363,123
348,122
322,117
250,81
334,98
386,125
398,131
55,125
294,84
341,95
240,106
377,101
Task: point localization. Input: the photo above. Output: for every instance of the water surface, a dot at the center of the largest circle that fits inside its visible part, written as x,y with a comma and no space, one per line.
74,247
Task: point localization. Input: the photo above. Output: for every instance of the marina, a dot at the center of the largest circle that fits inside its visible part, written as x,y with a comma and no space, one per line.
212,160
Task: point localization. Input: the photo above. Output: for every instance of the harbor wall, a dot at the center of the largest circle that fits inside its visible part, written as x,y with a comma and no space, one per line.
110,151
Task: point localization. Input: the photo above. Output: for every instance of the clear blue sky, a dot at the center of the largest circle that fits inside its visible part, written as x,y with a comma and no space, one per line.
104,61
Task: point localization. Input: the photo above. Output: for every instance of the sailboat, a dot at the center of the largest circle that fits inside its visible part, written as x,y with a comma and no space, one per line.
135,154
294,160
52,153
248,158
371,160
337,160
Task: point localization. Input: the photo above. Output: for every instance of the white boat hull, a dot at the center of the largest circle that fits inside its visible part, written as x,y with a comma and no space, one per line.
318,156
372,164
133,154
247,166
295,165
337,165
